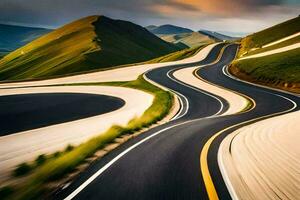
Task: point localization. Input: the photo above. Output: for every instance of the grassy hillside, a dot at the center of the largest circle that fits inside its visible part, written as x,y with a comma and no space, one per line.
13,37
94,42
276,46
179,55
193,39
269,35
280,70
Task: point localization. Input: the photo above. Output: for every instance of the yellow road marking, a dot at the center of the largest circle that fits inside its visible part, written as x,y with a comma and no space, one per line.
249,99
209,185
210,188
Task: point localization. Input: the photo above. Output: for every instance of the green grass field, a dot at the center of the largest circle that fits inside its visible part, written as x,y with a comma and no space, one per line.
269,35
91,43
282,67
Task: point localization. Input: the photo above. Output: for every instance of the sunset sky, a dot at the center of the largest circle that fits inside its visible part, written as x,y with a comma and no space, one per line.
237,16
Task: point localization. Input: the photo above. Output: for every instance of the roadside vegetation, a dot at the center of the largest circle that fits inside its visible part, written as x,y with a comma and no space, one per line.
278,70
46,169
257,40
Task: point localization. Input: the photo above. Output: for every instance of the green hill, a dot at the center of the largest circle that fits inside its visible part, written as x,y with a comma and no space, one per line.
281,70
193,39
91,43
180,36
257,40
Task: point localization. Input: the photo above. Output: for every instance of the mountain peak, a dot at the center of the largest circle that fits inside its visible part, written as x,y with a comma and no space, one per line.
90,43
169,29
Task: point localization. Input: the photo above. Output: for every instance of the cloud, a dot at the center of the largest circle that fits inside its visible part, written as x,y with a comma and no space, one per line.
235,15
224,8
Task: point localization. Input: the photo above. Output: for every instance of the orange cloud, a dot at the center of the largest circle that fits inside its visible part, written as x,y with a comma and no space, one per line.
170,11
214,7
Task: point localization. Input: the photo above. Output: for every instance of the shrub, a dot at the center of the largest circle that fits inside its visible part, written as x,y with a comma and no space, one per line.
22,169
41,159
5,192
69,148
56,154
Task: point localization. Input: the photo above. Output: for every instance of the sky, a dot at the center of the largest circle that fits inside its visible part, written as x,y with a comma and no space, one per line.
235,17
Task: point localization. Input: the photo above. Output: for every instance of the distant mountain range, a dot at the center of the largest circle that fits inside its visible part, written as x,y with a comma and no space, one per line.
184,37
216,35
91,43
13,37
186,40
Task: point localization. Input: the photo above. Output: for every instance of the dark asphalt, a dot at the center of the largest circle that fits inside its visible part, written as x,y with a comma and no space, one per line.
30,111
167,166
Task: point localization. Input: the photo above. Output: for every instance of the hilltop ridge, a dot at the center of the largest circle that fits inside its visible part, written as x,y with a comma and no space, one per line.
90,43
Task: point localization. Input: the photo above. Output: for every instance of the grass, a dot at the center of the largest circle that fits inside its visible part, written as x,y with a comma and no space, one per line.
179,55
91,43
273,69
257,40
276,46
66,162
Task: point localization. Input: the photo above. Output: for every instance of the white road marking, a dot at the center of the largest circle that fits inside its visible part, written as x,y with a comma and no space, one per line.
282,40
198,90
106,166
272,52
225,176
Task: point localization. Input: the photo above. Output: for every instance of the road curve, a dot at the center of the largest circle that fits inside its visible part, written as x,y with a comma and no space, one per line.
23,112
26,145
178,160
37,138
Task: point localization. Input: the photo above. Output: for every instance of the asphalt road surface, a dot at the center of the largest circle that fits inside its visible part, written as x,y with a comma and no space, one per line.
164,162
30,111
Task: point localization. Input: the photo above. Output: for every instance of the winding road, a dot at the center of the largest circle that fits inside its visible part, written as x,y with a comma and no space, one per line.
179,159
